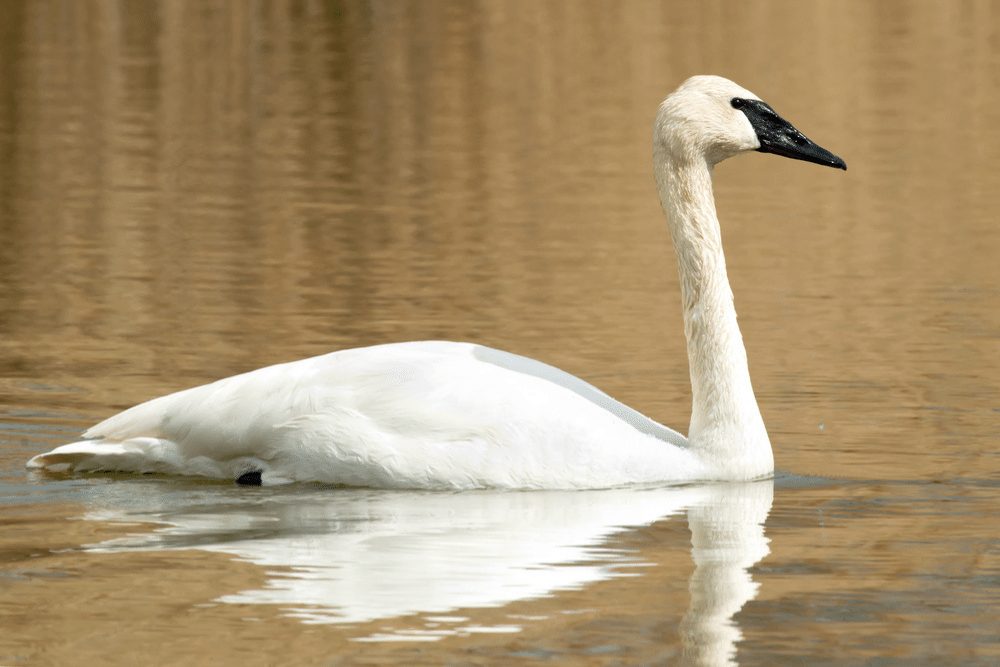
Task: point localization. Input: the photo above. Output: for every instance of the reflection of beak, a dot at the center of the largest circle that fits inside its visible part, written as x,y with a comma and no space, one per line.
778,136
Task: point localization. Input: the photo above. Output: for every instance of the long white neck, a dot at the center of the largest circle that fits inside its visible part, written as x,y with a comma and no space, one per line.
726,426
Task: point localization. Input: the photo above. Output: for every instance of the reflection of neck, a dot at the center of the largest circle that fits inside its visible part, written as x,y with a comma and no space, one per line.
727,538
725,420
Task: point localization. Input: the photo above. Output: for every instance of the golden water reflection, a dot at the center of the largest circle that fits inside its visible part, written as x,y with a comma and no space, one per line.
354,557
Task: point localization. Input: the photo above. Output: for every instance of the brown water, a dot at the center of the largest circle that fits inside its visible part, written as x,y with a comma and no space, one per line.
190,190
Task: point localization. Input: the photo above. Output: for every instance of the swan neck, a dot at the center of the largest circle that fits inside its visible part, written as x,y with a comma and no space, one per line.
724,413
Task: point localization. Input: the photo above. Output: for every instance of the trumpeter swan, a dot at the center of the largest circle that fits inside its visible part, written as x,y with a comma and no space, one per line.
458,415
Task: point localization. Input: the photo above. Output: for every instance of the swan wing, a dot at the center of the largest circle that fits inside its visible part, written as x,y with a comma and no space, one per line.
529,366
281,392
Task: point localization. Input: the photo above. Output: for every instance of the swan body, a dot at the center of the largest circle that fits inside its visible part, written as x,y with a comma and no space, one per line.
440,414
406,415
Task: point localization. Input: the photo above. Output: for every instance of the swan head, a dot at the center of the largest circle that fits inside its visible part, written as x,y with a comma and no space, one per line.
714,118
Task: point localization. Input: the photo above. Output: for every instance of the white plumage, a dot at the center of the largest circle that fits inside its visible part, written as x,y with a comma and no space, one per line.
459,415
407,415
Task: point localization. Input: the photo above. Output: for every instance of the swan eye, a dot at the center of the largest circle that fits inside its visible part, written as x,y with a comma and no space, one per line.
738,102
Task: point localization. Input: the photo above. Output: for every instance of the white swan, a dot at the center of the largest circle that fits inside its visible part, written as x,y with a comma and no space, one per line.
459,415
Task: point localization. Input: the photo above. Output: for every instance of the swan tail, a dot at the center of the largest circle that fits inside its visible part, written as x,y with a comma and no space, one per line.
135,455
154,455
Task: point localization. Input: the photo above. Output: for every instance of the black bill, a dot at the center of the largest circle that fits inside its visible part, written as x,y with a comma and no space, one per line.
778,136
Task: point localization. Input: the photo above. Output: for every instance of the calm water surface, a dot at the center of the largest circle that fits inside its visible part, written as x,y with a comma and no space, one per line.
190,190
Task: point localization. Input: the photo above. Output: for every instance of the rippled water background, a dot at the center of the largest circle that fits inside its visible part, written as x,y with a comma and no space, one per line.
190,190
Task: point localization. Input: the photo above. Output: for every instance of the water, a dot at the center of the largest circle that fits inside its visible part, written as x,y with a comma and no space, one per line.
191,190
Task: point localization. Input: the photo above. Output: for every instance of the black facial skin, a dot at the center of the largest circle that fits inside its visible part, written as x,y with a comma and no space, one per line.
778,136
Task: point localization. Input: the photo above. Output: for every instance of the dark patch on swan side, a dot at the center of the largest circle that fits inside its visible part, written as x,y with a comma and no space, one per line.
251,478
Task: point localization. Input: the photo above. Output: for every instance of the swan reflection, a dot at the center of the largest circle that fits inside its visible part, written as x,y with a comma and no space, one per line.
727,538
349,556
